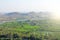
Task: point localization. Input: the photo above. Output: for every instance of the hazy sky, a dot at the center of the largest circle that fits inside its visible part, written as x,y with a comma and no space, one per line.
29,5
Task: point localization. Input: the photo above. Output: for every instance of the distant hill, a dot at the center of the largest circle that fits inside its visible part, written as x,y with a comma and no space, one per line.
28,15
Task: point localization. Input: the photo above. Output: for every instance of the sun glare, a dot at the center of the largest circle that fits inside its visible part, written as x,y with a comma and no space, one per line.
56,16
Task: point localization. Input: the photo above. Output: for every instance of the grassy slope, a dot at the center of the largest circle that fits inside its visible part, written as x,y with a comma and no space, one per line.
19,28
24,29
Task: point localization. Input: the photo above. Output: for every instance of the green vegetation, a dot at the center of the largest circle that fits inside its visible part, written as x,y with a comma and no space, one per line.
33,30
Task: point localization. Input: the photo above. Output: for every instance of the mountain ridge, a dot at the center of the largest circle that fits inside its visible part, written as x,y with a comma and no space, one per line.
29,15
